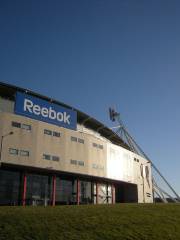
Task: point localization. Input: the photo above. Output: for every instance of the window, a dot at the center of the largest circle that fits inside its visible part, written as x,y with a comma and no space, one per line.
81,140
97,166
55,158
94,165
24,153
74,162
16,124
136,160
46,157
95,145
80,163
48,132
10,187
23,126
56,134
38,189
148,194
26,127
13,151
49,157
74,139
20,152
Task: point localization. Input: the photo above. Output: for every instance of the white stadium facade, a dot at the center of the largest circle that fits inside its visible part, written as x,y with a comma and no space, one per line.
53,154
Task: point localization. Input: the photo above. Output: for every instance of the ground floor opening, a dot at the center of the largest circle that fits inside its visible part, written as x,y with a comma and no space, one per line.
126,192
24,187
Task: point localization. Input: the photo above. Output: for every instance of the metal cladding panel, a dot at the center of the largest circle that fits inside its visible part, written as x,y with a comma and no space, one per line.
119,163
45,111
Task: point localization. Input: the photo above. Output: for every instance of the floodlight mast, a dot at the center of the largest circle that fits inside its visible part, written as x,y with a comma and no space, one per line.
128,139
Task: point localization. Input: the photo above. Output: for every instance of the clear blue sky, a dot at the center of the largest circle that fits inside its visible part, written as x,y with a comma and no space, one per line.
93,54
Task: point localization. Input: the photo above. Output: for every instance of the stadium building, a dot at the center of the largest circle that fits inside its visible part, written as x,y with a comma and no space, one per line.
54,154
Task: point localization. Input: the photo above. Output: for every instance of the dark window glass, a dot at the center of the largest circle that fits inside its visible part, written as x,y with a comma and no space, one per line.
81,140
9,187
65,191
26,127
56,134
86,192
39,190
100,146
94,166
13,151
95,145
80,163
24,153
47,132
16,124
55,158
97,166
74,139
74,162
46,157
136,160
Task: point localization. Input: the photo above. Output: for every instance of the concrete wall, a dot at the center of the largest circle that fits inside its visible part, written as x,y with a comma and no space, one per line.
129,167
38,143
109,161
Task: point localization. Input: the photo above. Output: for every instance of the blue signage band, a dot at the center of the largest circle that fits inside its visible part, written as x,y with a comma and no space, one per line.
36,108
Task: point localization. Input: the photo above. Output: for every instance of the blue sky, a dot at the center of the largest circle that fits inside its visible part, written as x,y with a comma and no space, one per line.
93,54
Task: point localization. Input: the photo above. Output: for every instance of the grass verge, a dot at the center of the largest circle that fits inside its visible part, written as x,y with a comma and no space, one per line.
100,222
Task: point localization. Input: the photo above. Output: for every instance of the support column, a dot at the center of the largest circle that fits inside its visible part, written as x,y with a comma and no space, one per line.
78,192
97,192
24,189
113,193
107,193
54,191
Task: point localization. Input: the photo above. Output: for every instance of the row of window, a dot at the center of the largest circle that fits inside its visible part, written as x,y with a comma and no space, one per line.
77,162
23,153
80,140
28,127
49,157
53,133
